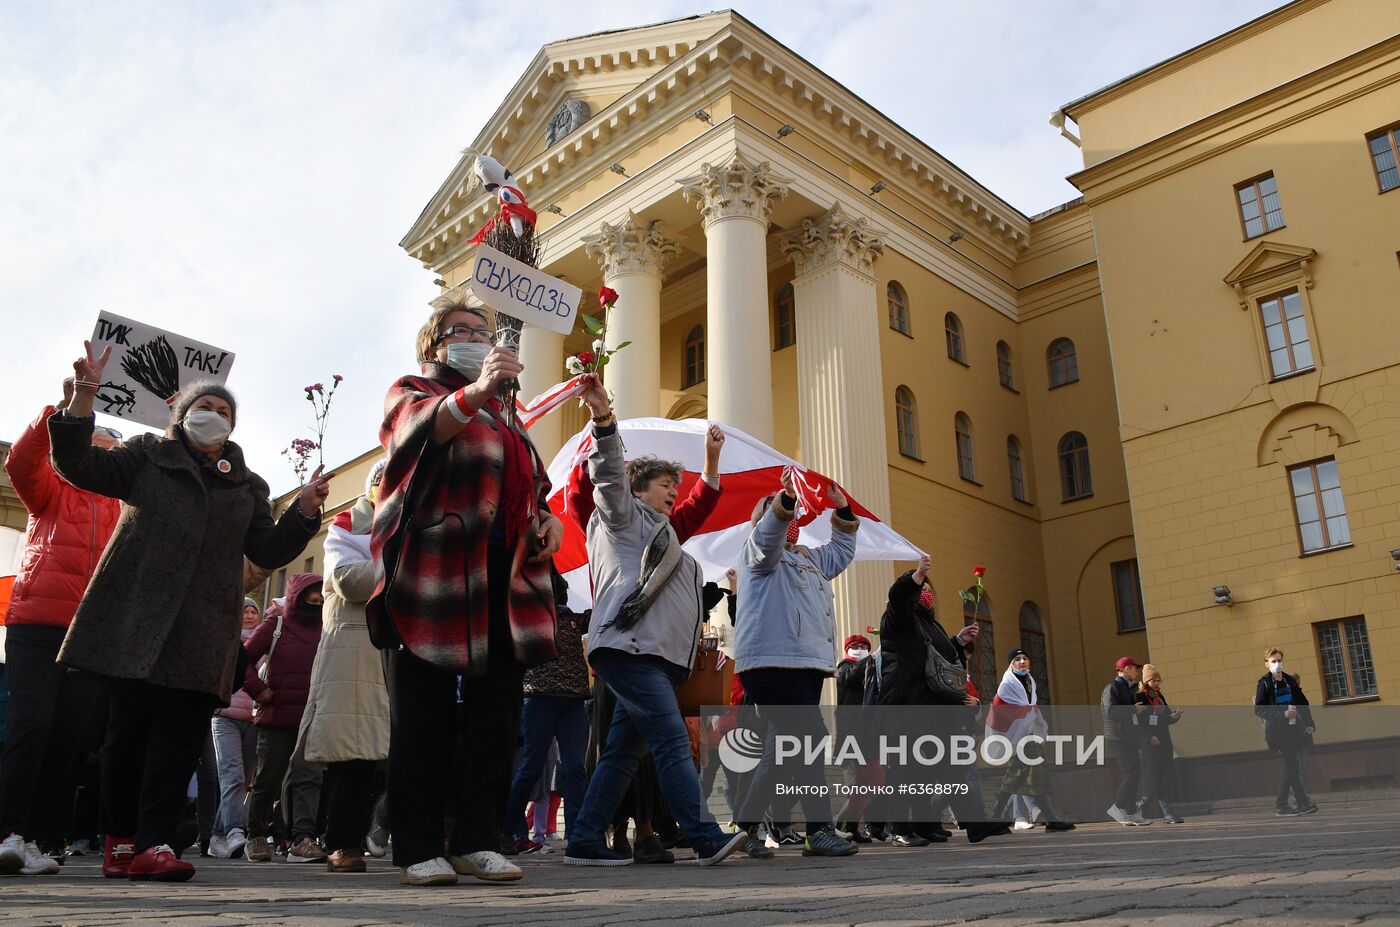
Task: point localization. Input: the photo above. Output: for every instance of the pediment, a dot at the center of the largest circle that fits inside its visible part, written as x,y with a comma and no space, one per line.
1267,260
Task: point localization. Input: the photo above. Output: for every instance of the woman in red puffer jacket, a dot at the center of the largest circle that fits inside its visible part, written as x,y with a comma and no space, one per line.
281,701
49,708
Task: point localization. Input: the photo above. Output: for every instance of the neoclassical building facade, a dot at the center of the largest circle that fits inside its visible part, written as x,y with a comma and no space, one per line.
1161,416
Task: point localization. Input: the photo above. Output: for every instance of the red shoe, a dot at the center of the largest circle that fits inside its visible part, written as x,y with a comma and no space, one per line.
116,856
158,864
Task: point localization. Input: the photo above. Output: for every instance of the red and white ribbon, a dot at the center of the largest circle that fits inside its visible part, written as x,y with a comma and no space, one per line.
549,400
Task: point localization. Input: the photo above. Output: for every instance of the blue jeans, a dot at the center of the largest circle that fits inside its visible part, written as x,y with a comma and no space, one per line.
544,718
235,748
647,716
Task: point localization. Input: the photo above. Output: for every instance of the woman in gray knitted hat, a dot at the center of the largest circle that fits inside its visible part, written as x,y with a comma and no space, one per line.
160,619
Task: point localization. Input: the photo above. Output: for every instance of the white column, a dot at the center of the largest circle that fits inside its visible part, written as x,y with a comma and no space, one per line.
542,354
736,200
842,406
633,255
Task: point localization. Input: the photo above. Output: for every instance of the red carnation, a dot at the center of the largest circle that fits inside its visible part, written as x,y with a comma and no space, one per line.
607,296
979,571
337,377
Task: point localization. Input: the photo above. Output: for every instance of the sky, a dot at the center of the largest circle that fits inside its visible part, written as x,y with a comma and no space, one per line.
242,172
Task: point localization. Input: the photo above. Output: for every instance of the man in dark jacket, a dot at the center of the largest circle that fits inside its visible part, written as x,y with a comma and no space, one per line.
1288,729
290,646
1120,730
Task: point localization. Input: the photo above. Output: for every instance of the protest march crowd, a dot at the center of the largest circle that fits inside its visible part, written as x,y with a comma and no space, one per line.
433,696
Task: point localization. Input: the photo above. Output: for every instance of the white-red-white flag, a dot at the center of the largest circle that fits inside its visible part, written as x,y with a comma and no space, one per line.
749,470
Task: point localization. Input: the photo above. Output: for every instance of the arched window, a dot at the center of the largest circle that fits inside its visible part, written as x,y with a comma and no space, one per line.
898,302
1033,643
953,332
906,420
1064,365
784,318
983,663
1018,475
963,429
1075,479
694,357
1004,371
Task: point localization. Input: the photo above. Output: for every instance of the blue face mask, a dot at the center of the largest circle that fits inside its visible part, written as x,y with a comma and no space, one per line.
1020,672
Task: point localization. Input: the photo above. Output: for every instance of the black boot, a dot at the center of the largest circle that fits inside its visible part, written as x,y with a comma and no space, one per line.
977,831
1053,823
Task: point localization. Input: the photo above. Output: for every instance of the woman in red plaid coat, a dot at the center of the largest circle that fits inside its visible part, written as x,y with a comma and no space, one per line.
462,540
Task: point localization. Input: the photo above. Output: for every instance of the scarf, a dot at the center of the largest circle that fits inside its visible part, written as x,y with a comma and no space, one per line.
659,561
518,493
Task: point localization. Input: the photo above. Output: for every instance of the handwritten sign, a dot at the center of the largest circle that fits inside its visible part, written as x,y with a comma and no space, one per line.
525,292
148,368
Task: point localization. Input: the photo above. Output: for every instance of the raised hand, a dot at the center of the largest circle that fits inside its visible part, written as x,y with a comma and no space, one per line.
789,483
500,366
596,397
838,498
314,493
87,370
921,573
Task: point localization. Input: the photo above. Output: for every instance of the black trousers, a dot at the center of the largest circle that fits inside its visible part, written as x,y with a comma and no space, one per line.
1129,760
770,688
48,713
154,738
207,797
349,798
1292,778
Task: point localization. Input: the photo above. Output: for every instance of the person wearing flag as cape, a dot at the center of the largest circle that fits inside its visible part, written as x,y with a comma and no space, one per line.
784,646
647,612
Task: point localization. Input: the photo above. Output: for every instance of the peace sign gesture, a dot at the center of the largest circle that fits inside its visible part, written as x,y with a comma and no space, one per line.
87,371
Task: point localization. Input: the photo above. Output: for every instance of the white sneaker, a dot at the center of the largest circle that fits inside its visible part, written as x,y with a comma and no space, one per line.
1022,824
234,843
487,866
436,871
218,847
1121,816
11,854
36,863
843,834
770,841
377,849
1138,820
1035,812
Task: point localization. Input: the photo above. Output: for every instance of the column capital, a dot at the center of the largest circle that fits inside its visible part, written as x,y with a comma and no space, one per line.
635,246
736,188
833,238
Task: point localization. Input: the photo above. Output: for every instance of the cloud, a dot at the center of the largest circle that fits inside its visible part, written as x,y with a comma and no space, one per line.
242,173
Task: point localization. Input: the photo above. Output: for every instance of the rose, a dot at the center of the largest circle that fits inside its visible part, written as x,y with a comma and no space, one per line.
607,296
979,571
586,358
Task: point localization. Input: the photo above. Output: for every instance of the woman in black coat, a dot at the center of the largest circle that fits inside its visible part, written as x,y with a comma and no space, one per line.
1154,726
907,630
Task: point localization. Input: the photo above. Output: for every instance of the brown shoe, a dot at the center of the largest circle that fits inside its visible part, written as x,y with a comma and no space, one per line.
346,861
257,850
307,851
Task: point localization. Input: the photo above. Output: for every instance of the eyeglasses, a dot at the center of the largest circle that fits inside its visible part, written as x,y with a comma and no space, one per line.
467,331
112,432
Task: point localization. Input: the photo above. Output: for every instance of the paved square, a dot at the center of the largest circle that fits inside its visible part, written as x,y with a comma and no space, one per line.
1340,866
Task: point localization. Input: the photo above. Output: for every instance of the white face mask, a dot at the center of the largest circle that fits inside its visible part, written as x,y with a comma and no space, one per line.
1020,672
467,357
857,653
205,428
1275,666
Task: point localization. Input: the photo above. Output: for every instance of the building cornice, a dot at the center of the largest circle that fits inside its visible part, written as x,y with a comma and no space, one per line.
737,55
1245,122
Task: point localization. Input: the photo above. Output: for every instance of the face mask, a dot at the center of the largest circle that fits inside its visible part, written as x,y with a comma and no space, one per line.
1275,666
205,428
466,358
857,653
1020,672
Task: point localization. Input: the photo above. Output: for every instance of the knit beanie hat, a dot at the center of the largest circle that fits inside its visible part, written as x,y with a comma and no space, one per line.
855,639
249,603
190,393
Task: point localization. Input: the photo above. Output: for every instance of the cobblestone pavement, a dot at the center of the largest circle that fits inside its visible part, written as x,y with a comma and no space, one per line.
1341,866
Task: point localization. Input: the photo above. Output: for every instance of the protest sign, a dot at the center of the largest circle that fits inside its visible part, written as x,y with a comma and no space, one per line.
522,291
148,368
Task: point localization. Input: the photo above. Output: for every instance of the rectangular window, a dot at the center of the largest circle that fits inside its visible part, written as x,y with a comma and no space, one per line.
1260,208
281,582
985,672
1318,505
309,566
1385,156
1345,652
1286,333
1127,595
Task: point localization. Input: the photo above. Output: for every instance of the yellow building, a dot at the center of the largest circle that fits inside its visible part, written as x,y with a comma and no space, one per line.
1241,196
1074,400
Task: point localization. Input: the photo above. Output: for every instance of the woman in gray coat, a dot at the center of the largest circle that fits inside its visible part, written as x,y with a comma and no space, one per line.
160,618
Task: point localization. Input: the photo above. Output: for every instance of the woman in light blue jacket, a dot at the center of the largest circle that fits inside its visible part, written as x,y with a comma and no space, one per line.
785,647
